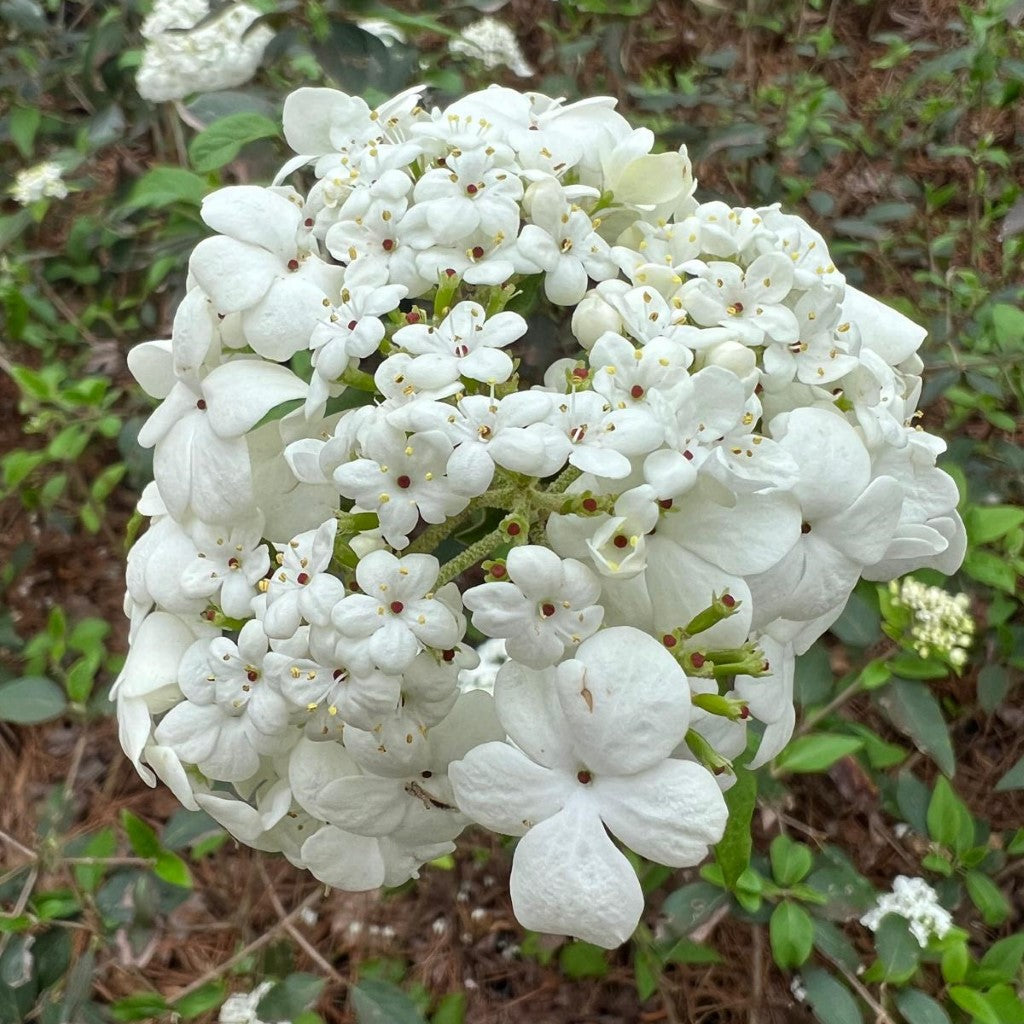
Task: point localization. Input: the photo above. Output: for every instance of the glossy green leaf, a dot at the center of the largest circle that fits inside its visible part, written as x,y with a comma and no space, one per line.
816,752
919,1008
987,897
791,933
733,850
223,140
914,710
791,861
829,999
949,821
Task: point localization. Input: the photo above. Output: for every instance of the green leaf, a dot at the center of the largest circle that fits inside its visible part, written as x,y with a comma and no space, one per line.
140,1006
206,998
817,752
830,941
1015,847
691,905
898,950
582,960
1008,322
975,1004
830,1000
165,185
919,1008
733,850
102,844
791,933
880,753
686,951
986,523
1002,961
221,142
23,125
647,967
790,861
30,700
288,998
990,569
380,1002
949,821
142,838
450,1010
1013,779
993,686
955,961
912,798
172,869
860,623
914,710
987,897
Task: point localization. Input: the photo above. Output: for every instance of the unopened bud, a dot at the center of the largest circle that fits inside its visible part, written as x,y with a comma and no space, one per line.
592,318
726,707
719,609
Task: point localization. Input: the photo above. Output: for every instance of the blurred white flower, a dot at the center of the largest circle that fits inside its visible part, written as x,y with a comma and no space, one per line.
241,1007
916,901
40,182
494,43
181,59
941,622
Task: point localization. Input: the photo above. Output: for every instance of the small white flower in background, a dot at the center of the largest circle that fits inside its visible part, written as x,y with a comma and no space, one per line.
494,43
180,59
241,1007
916,901
492,656
43,181
941,623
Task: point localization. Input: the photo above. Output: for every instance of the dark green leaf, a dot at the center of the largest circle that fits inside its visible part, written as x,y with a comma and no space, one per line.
733,850
23,125
380,1002
813,678
691,905
949,821
223,140
1013,779
791,933
830,941
791,861
919,1008
142,838
102,844
860,623
830,1000
288,998
816,752
52,953
30,700
914,710
912,798
993,686
897,949
450,1010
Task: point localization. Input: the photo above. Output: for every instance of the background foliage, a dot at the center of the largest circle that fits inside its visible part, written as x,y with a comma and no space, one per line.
897,130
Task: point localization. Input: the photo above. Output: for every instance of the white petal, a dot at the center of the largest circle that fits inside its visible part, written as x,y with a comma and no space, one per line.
235,275
240,393
569,879
252,214
348,862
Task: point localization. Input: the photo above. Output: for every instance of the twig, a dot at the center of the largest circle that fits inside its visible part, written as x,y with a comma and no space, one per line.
290,928
881,1015
20,904
11,841
266,938
757,993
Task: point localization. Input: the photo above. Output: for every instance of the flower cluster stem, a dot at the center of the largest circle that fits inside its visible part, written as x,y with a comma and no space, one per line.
467,559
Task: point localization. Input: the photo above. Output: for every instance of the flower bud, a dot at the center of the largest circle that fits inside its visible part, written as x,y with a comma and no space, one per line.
592,318
740,359
727,707
719,609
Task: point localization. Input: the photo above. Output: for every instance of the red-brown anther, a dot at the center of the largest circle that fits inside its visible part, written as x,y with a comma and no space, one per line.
209,615
252,675
448,655
293,264
499,572
697,659
403,481
388,244
665,503
308,222
669,640
201,404
461,351
805,528
450,272
547,610
397,607
338,673
302,578
766,666
590,504
353,324
472,189
744,712
636,391
619,541
728,600
426,774
478,252
233,563
412,318
580,373
513,529
688,455
584,777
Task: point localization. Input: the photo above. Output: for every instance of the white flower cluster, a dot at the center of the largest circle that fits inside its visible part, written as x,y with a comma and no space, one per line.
240,1008
941,623
654,528
181,59
916,901
494,44
44,181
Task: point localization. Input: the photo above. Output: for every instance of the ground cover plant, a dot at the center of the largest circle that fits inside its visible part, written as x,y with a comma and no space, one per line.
898,135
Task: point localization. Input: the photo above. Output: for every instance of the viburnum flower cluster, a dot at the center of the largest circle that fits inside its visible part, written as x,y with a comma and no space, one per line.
498,376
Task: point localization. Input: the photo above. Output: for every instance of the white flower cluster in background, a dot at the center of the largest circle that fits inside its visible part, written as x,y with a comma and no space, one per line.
180,59
241,1007
941,623
44,181
916,901
494,44
654,525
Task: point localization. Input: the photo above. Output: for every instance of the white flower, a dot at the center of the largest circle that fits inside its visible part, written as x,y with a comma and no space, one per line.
941,622
494,43
44,181
240,1008
229,564
593,740
916,901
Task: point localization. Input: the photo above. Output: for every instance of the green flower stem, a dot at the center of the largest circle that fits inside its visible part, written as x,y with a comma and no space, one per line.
563,480
706,754
358,379
467,559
